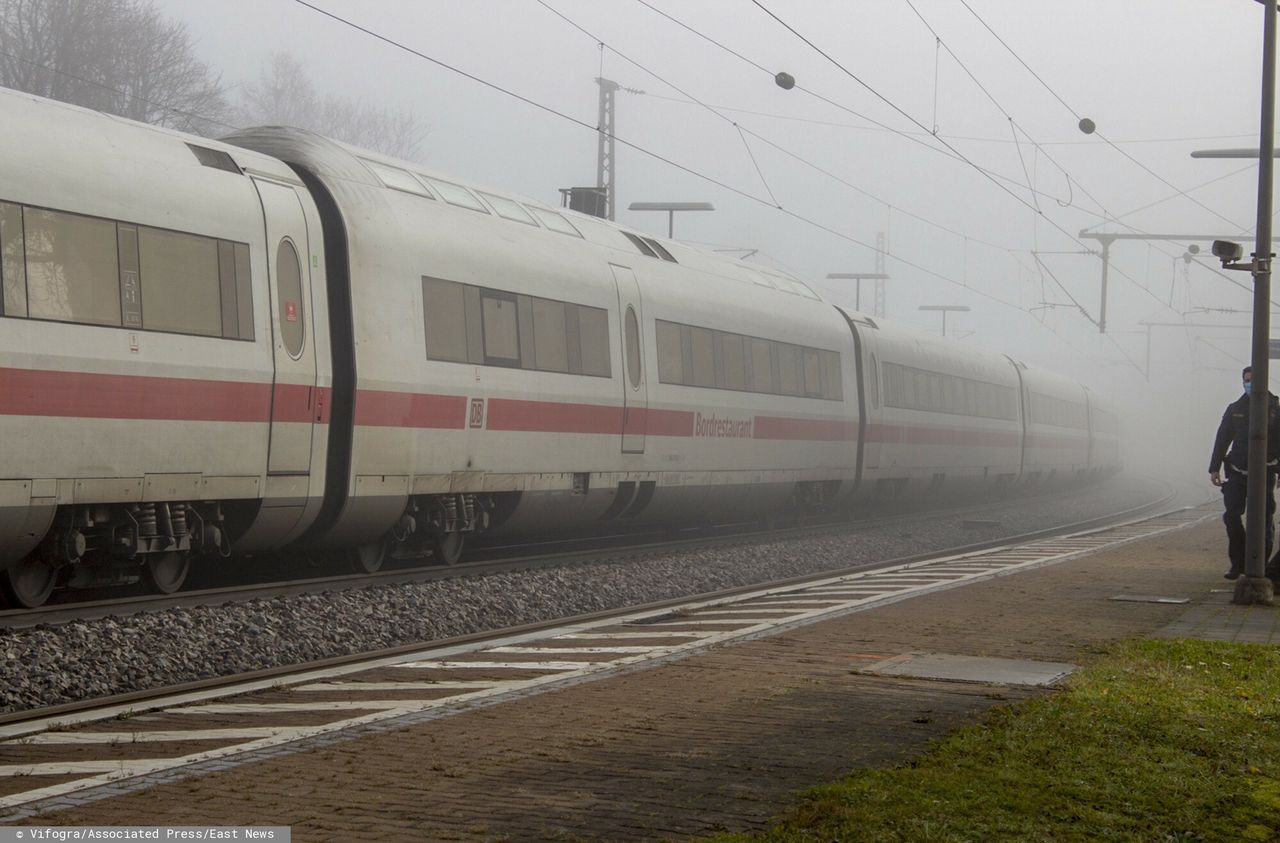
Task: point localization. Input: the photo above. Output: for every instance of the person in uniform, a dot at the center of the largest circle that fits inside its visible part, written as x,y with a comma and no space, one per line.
1231,450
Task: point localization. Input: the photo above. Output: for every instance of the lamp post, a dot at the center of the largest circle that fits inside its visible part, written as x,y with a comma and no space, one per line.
858,278
671,208
1254,587
944,309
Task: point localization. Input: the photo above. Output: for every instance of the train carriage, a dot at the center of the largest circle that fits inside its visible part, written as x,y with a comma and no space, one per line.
937,419
1104,436
146,398
281,341
1057,434
515,365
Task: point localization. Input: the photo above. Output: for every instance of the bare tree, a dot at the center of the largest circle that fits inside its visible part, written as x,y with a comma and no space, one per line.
284,95
120,56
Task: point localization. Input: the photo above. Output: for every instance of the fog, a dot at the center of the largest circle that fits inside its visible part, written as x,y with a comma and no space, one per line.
950,128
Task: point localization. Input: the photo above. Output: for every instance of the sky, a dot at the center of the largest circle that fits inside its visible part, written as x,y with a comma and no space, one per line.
950,129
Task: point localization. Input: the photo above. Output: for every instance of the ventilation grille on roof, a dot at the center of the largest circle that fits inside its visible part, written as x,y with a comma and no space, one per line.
215,158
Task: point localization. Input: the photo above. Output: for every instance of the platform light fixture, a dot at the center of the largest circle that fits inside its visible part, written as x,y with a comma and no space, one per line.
858,278
671,208
944,309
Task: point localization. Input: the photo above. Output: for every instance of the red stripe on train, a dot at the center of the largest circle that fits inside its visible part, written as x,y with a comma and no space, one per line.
809,430
30,392
901,434
380,408
552,417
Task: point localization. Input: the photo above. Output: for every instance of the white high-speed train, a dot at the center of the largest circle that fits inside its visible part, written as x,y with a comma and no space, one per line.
279,340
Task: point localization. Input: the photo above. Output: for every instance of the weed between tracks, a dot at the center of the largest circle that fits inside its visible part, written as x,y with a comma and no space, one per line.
1158,740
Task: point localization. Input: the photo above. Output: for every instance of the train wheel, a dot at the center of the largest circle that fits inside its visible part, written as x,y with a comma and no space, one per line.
166,572
368,558
447,548
29,583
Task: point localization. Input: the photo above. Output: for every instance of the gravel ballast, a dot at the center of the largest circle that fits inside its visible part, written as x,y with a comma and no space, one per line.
78,660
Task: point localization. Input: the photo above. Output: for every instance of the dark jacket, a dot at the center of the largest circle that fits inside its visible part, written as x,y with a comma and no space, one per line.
1232,442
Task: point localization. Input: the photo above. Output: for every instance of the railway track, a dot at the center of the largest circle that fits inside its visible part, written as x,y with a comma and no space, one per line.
283,672
56,753
491,559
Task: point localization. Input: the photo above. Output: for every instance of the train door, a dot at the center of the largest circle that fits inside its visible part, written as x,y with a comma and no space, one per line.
293,393
635,391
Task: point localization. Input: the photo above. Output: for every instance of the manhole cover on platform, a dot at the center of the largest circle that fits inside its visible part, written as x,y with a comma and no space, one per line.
972,669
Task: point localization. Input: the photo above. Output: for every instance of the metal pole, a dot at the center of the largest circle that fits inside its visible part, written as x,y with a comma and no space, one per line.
1106,264
857,296
1148,370
671,225
1254,587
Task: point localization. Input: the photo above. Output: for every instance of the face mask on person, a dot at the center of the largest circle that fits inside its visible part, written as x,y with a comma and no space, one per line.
1248,387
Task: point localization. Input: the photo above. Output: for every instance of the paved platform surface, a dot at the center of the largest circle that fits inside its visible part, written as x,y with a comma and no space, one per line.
721,740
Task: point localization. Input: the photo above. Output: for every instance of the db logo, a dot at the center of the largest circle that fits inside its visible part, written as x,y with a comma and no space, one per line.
476,418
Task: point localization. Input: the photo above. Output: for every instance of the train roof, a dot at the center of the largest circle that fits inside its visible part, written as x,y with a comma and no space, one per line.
331,159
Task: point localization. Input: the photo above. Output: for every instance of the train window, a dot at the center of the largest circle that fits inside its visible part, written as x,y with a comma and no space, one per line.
832,385
289,290
244,290
236,295
731,364
789,373
456,194
641,245
812,368
805,290
130,278
396,178
13,268
550,344
659,249
228,290
444,320
937,392
181,287
761,366
524,324
75,268
670,352
723,360
703,355
509,209
1048,409
593,332
501,333
555,222
632,333
72,267
873,378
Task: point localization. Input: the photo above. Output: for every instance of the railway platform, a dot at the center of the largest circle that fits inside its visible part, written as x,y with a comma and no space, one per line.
722,739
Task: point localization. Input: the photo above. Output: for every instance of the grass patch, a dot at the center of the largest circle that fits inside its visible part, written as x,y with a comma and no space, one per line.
1158,740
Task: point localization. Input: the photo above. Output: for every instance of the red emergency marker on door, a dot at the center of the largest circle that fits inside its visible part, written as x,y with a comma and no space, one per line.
291,311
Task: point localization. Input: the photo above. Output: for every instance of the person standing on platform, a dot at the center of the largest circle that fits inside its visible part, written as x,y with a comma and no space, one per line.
1231,449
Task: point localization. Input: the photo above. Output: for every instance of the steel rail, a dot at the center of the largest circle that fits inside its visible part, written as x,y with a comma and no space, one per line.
140,698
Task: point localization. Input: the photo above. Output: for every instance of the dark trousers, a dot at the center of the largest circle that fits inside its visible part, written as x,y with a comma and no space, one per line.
1234,497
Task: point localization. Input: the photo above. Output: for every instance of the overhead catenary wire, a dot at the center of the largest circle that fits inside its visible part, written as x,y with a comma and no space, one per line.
1102,136
894,106
751,197
798,217
711,180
